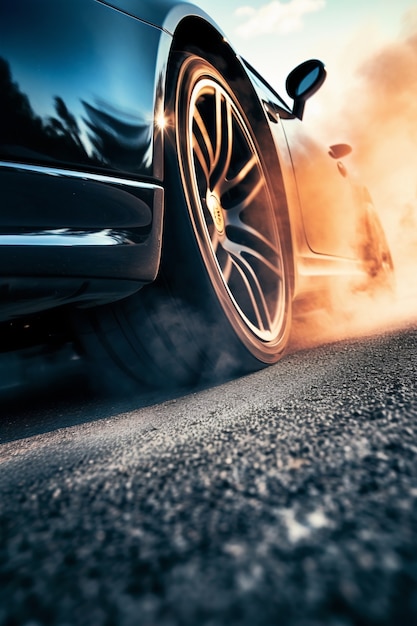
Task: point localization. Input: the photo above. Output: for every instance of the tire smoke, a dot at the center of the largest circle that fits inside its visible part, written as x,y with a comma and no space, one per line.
378,118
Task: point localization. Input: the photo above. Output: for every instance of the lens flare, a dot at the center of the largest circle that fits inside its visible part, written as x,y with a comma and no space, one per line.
161,120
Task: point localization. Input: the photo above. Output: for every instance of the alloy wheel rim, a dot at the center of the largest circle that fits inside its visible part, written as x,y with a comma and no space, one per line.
233,212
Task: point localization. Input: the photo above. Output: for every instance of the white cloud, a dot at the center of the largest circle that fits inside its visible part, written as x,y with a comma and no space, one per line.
275,17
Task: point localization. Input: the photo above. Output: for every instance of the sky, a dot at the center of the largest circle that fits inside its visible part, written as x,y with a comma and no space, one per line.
276,35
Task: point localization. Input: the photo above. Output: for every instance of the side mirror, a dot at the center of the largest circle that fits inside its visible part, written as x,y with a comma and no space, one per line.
303,82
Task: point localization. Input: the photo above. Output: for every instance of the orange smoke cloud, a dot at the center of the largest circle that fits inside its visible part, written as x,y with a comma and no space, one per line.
383,116
379,118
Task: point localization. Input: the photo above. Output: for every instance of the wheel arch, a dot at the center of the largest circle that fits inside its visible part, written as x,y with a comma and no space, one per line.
195,35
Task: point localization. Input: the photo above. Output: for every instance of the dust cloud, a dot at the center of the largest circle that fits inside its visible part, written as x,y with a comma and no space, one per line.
378,117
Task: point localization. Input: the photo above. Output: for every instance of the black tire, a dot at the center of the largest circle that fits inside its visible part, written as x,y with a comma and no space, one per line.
221,305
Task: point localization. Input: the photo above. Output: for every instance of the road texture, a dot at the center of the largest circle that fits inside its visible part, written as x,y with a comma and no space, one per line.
285,497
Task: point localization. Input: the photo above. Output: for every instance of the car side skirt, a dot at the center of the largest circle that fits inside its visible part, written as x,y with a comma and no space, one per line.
68,236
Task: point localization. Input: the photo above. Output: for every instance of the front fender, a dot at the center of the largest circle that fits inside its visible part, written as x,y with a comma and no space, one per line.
165,14
81,84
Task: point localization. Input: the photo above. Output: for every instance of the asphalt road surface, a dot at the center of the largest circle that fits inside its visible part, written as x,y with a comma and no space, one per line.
285,497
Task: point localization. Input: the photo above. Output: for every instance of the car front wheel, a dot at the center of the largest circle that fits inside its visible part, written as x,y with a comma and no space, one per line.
221,304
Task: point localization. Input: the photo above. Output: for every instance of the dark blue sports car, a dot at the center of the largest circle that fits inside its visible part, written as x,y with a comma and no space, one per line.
158,197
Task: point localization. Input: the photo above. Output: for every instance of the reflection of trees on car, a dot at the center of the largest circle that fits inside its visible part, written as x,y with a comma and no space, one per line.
109,140
116,141
67,124
20,126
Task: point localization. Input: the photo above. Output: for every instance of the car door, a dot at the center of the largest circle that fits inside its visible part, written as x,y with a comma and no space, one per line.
329,211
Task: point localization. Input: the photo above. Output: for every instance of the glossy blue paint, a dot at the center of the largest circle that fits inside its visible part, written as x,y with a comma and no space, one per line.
79,84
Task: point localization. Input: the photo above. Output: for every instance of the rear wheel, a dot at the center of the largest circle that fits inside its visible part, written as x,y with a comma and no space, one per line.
221,304
376,253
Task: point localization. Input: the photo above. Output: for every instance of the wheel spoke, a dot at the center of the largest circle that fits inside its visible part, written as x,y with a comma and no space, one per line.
226,185
199,154
214,237
224,146
254,291
259,240
237,250
205,136
227,268
249,198
219,126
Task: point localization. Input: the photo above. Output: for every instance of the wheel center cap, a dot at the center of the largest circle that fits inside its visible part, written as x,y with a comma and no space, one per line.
216,211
